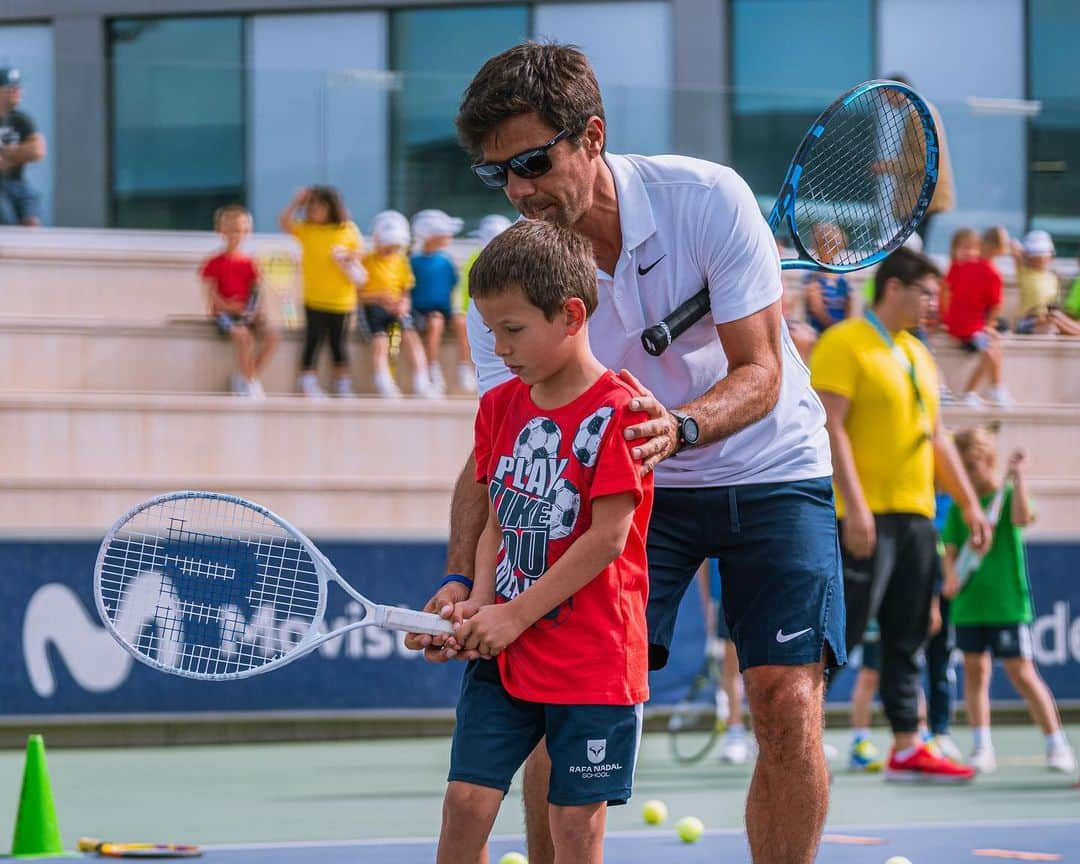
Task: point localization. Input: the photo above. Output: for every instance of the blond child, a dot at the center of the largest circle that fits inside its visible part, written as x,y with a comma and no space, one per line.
1038,287
387,304
992,611
231,281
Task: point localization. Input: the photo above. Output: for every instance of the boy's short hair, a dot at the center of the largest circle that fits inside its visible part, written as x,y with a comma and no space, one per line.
553,80
906,265
975,441
223,213
548,263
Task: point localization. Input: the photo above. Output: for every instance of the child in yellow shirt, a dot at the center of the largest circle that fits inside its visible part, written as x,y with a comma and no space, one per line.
386,303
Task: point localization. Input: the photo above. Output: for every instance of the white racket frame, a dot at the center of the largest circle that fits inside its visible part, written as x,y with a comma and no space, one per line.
375,614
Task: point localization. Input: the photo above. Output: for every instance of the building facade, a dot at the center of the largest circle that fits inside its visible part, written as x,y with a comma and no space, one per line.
157,111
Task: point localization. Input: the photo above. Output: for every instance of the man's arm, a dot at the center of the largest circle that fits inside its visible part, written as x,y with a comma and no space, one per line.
30,150
950,475
747,393
859,531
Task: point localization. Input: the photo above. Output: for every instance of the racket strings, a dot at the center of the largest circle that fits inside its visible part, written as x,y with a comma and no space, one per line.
862,182
208,586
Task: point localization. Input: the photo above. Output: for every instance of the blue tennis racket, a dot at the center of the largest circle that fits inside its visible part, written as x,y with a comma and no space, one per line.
859,185
213,587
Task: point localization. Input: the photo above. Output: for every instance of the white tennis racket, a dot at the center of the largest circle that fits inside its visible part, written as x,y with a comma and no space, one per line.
968,559
213,587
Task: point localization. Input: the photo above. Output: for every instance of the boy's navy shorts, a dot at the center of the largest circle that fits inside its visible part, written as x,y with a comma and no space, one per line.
593,748
778,551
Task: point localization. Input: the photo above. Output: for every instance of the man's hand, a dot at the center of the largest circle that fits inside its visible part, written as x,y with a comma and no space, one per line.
934,626
978,525
658,436
859,533
490,630
952,585
441,604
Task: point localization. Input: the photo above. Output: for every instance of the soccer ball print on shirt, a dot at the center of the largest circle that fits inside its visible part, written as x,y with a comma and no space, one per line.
589,435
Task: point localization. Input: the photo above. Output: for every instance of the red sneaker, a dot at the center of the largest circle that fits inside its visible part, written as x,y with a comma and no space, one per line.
927,765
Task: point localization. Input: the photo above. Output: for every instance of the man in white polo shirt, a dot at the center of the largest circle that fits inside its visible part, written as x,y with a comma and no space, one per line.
737,439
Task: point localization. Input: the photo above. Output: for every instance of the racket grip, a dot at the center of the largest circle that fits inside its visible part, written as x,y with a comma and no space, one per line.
658,338
411,621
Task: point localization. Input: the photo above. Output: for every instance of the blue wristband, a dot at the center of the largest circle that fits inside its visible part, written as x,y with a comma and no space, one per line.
457,577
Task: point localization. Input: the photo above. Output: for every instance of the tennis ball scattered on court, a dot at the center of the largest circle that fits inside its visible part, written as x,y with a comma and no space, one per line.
898,859
513,858
690,829
654,812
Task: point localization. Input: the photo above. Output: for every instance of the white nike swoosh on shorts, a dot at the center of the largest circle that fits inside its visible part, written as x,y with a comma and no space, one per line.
783,637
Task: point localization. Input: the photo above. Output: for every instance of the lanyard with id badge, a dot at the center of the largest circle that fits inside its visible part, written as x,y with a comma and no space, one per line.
908,365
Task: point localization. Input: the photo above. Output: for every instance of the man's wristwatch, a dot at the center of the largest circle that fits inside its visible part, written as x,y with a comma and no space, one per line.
689,432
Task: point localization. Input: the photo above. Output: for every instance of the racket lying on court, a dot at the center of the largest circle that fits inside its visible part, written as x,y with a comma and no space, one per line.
969,559
213,587
868,166
107,849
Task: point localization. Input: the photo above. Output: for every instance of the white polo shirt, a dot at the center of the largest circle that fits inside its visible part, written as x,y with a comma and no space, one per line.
687,223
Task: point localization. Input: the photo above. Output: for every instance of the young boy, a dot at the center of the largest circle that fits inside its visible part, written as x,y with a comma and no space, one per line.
993,611
231,281
432,297
561,581
386,303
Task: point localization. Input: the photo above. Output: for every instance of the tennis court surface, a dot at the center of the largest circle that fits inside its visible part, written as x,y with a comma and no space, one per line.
379,801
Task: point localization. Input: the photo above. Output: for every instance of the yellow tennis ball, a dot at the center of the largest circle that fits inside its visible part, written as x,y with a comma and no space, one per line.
898,859
654,812
513,858
690,829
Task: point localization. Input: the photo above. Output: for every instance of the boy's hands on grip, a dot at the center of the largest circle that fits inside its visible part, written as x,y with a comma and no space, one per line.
485,632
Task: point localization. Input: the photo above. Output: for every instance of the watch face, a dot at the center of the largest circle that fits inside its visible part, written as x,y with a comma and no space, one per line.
690,431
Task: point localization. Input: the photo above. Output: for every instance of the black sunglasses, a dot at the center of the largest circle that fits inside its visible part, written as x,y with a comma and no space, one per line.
528,164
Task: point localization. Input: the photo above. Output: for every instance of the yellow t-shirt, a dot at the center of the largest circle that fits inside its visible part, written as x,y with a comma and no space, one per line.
1038,289
387,275
326,285
889,432
462,293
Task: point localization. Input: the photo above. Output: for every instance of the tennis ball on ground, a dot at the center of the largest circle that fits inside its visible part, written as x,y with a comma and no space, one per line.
654,812
516,858
898,859
690,829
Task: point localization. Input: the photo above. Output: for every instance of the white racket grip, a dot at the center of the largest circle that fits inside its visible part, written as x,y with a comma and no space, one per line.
411,621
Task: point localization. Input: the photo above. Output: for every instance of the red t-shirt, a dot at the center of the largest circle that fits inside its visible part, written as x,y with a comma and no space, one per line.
543,469
975,288
234,276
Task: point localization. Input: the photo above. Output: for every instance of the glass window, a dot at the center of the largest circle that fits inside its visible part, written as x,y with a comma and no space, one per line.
790,59
1054,182
29,47
436,53
634,69
177,120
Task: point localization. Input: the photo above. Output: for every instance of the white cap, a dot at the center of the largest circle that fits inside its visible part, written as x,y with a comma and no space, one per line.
390,228
434,223
1038,243
490,227
914,243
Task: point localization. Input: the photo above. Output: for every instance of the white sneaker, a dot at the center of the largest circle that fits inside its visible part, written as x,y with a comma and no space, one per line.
971,399
983,760
255,388
735,751
466,376
423,388
1001,398
238,384
309,385
343,388
1062,760
830,751
947,748
438,380
386,386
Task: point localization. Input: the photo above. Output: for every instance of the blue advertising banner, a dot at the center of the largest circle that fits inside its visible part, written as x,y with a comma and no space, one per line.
57,659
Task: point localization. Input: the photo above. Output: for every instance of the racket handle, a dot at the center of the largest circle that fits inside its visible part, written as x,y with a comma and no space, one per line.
658,338
411,621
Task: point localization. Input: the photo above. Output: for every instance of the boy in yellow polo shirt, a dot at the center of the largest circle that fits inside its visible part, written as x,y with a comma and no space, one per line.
879,386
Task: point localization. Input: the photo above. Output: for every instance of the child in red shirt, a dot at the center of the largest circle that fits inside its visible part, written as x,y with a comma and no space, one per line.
231,280
974,300
561,578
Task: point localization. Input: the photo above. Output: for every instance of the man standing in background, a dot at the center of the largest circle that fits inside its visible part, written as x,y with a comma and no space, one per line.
20,144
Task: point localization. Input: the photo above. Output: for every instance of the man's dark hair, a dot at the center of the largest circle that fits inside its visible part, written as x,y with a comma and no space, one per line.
555,81
328,195
906,265
903,79
548,263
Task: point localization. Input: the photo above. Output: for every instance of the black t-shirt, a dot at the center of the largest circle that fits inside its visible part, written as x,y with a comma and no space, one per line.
15,128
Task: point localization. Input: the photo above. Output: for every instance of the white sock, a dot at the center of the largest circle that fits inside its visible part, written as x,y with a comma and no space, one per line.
860,734
981,735
901,755
1056,741
736,730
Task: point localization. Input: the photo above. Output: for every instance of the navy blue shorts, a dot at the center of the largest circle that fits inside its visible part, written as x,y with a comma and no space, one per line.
779,557
377,320
1004,641
421,315
593,748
